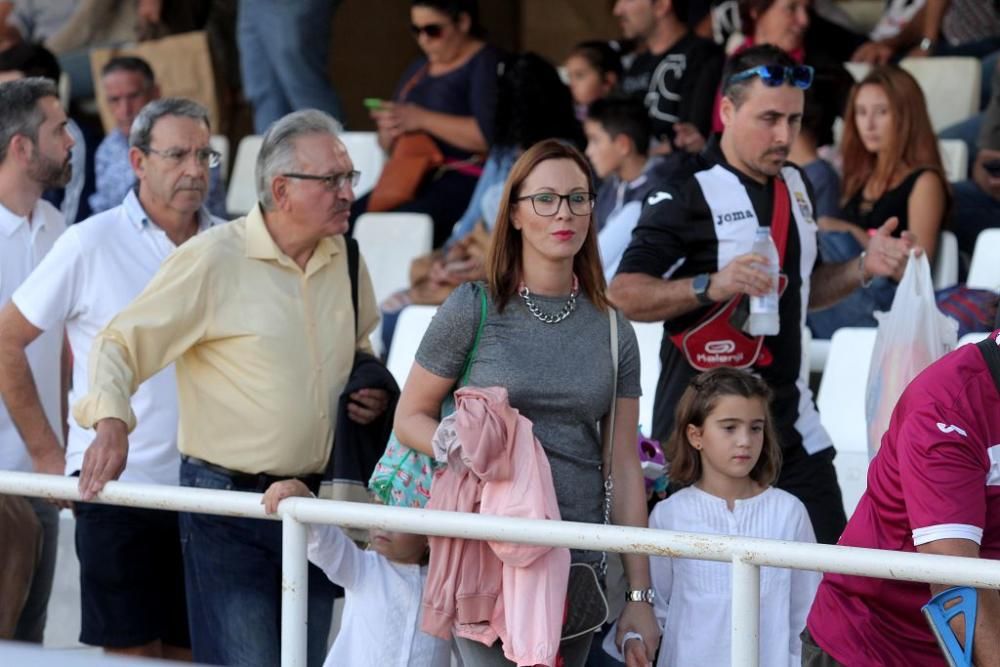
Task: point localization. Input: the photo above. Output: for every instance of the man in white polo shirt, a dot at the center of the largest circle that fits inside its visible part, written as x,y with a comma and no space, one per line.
131,573
34,156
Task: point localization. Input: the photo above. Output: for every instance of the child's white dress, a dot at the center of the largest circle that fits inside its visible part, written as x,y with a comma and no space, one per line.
381,620
693,597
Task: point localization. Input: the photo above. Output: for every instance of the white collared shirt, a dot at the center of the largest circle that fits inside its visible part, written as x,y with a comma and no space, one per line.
95,270
22,247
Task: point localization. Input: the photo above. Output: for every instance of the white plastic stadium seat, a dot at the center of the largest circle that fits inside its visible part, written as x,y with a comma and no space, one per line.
389,242
220,142
955,156
649,335
984,271
241,195
950,84
841,403
946,261
971,338
367,156
410,328
858,70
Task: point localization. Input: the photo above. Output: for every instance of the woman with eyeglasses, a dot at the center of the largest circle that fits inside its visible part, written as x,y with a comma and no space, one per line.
892,169
449,94
546,340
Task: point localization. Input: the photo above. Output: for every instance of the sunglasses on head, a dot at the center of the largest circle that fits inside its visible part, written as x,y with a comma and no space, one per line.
800,76
432,30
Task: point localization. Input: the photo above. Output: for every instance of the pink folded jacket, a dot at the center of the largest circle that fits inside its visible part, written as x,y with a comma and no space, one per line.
489,590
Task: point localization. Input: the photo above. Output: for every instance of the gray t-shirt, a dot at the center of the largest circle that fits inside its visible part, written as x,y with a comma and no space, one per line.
557,375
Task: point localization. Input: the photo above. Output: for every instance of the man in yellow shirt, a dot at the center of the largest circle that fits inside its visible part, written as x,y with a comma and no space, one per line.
258,316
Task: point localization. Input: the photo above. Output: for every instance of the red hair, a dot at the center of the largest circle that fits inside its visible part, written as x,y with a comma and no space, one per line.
911,144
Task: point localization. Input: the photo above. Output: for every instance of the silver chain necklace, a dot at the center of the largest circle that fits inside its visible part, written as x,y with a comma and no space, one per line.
550,318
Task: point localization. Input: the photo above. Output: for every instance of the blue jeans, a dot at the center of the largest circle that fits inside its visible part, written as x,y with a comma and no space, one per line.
283,57
31,622
973,210
857,310
232,568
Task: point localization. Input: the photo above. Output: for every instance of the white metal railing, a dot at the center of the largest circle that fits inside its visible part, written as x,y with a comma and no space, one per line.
746,554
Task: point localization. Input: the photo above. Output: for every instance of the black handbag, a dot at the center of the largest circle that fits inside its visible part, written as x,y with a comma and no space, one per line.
586,604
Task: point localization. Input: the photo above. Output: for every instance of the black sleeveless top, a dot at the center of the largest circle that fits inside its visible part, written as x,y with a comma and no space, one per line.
894,202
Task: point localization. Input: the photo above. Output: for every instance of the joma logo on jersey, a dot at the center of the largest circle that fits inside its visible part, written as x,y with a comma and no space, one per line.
734,216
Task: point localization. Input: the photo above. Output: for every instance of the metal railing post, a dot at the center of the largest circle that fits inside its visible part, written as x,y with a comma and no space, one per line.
746,614
294,592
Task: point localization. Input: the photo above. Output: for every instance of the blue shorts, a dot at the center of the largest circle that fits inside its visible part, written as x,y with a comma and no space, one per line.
131,577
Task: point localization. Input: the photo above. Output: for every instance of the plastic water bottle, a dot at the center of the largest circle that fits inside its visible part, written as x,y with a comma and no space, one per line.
763,319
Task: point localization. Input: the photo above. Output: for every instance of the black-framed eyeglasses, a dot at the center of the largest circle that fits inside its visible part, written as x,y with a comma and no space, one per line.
800,76
432,30
206,156
547,204
331,181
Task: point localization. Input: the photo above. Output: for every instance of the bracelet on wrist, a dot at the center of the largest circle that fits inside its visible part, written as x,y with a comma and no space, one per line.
865,282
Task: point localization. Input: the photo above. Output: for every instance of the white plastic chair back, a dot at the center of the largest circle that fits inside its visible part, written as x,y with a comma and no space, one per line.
955,158
984,271
945,270
649,336
367,156
950,84
389,242
841,403
410,328
241,196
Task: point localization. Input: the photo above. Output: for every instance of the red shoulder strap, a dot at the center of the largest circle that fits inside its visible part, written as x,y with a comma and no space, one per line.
781,214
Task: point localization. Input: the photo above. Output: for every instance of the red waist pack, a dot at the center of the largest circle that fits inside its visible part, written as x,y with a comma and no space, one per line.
718,338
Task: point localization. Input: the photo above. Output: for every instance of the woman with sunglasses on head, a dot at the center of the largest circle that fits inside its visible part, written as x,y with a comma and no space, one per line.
892,169
449,94
546,340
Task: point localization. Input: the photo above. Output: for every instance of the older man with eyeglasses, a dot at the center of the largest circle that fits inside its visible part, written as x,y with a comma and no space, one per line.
128,85
131,571
259,316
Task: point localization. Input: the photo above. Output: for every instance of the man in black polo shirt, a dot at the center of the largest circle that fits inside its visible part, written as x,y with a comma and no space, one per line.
676,76
691,249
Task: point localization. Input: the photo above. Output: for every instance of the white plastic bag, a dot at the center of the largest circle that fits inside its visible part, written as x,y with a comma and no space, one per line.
911,336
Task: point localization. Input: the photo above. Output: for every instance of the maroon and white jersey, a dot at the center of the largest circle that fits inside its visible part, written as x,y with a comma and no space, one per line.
936,476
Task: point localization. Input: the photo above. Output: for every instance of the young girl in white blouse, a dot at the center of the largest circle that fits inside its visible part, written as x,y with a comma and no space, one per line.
383,584
724,454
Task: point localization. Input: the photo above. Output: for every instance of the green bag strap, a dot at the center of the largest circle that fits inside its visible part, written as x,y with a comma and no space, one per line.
467,368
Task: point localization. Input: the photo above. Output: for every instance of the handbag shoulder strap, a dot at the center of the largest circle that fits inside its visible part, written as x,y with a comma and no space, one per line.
991,354
781,214
608,430
412,82
352,272
471,357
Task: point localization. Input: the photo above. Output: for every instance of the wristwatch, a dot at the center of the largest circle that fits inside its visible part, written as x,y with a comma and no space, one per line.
700,285
640,595
926,44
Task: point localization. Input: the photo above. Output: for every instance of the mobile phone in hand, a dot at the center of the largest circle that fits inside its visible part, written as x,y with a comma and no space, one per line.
372,103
